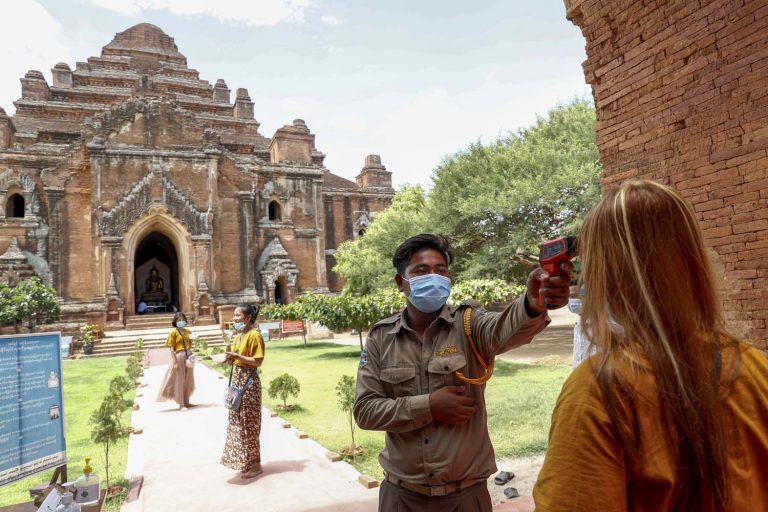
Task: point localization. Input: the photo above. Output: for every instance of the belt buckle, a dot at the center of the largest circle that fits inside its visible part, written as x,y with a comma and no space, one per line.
441,490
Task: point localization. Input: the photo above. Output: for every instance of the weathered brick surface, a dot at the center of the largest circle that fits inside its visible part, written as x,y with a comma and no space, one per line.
681,89
132,145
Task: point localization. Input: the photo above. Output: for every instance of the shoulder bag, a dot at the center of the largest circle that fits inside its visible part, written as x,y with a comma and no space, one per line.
190,361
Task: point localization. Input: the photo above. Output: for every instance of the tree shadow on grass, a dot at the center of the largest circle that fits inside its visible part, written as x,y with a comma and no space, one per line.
506,369
317,345
346,353
291,408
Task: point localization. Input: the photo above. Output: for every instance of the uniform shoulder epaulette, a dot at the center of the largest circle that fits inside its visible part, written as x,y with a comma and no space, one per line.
387,321
472,303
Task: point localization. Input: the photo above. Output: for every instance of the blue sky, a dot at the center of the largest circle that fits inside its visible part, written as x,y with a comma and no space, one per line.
412,81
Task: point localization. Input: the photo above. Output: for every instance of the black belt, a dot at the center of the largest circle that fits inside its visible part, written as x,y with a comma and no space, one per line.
434,490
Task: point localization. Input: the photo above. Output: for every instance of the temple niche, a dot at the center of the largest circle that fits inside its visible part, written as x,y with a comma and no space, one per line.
129,179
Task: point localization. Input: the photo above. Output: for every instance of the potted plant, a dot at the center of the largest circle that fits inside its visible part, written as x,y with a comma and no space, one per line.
88,338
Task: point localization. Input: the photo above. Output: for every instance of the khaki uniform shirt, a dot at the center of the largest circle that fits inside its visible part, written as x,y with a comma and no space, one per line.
397,373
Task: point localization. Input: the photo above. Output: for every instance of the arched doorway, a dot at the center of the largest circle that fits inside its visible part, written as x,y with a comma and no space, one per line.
281,292
156,273
14,206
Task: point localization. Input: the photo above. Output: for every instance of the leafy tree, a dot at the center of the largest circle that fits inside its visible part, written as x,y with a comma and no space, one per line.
366,263
341,312
497,202
282,387
345,394
485,291
292,311
347,311
30,300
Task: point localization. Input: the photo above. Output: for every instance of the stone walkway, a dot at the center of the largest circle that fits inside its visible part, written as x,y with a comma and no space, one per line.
178,456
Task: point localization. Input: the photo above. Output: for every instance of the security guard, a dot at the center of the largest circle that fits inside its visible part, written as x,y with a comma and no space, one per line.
422,380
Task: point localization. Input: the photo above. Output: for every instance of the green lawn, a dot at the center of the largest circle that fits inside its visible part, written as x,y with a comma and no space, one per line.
85,382
520,399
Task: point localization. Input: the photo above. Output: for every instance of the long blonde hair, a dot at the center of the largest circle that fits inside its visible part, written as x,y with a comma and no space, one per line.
645,267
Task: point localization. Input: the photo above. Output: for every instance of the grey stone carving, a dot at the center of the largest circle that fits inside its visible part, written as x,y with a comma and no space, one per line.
274,263
139,200
28,191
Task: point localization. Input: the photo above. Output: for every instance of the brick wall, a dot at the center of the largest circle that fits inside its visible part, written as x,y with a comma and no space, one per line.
681,90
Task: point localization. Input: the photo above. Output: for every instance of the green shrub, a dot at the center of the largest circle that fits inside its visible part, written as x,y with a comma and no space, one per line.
345,393
133,368
283,386
107,428
200,345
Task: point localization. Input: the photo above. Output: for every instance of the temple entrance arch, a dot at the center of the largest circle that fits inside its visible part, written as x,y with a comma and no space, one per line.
156,273
159,240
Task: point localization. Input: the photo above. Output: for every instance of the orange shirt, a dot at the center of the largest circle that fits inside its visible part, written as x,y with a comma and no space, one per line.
584,469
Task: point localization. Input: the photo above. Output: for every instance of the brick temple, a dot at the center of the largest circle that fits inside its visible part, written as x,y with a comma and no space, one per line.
681,91
129,179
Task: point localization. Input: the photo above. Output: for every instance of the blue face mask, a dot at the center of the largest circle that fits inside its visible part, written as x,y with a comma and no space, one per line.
239,326
429,293
181,324
574,306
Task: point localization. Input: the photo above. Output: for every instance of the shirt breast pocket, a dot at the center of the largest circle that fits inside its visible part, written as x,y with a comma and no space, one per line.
442,370
399,380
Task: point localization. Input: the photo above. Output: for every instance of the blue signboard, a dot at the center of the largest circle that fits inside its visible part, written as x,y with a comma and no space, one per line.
31,406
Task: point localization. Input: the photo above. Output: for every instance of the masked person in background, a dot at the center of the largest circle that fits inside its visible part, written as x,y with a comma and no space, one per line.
179,381
437,454
582,348
672,412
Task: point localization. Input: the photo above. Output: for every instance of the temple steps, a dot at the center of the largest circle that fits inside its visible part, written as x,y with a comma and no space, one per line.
121,343
149,321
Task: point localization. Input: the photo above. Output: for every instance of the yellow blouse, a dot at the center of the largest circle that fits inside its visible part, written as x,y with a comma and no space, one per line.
585,469
177,341
250,344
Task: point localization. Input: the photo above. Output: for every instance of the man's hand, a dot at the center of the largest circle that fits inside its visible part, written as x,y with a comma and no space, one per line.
449,405
555,289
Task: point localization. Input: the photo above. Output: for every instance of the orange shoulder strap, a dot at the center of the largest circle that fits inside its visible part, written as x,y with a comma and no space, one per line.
487,367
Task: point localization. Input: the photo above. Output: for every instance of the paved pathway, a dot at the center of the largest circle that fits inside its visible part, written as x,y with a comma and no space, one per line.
178,455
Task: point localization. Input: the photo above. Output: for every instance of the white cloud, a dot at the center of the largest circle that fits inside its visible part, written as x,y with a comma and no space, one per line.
31,39
333,21
254,13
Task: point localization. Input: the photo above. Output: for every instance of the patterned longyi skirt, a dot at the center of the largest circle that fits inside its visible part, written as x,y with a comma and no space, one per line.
242,448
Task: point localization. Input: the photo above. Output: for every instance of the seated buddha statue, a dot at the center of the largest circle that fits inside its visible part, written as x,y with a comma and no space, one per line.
154,288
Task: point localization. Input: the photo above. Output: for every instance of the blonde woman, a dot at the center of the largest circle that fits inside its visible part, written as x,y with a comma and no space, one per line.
672,412
179,381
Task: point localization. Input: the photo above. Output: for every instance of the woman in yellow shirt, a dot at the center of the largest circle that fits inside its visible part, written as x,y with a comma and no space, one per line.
242,450
179,381
671,414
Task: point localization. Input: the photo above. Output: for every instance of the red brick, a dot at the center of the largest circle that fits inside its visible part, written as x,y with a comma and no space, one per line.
755,185
706,104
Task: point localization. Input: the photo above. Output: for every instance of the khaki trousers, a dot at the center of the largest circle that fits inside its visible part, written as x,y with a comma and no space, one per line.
393,498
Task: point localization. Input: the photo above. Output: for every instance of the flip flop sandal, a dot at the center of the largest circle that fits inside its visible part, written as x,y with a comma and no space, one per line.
511,492
503,477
